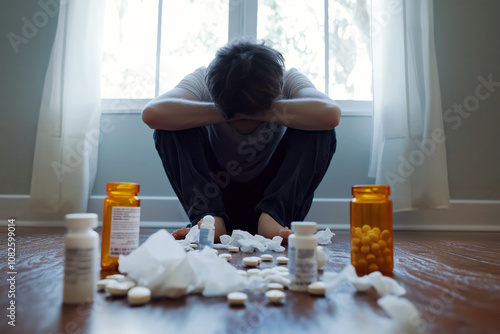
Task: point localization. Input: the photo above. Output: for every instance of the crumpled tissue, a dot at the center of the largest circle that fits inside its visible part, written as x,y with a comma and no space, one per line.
162,265
324,237
248,242
400,309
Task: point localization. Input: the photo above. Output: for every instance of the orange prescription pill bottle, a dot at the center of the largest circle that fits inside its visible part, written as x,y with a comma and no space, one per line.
120,223
371,229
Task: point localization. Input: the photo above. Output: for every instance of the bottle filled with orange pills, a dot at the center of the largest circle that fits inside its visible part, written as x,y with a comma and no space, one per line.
371,229
120,223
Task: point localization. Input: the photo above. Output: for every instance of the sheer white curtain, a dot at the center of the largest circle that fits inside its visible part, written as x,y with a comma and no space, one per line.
408,150
67,139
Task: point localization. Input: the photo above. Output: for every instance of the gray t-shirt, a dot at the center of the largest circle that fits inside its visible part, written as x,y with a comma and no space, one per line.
244,156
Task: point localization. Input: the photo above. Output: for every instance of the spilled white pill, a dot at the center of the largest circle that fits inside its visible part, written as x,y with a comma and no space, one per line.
193,246
317,289
250,261
234,249
116,288
266,257
282,260
138,295
281,269
116,277
253,271
268,272
242,272
275,296
226,256
101,284
237,298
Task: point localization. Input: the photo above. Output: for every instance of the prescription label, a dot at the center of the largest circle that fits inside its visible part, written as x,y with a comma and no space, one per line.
124,230
79,266
303,266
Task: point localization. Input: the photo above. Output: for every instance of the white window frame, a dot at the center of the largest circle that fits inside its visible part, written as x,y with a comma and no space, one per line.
242,23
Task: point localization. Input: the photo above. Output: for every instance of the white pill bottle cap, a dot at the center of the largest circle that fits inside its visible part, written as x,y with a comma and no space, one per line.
81,220
208,220
304,228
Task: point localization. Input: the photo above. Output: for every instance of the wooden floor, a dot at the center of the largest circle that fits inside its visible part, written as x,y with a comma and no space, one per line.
452,278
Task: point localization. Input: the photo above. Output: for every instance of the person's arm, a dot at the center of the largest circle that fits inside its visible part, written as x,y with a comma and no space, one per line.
308,109
180,109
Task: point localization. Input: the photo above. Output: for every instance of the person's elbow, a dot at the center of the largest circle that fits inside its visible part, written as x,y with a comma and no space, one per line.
332,117
149,117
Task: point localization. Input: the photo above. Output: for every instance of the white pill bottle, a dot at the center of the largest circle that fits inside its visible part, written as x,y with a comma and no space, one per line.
302,261
207,232
80,261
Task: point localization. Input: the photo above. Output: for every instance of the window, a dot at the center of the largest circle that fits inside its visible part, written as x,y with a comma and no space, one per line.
149,45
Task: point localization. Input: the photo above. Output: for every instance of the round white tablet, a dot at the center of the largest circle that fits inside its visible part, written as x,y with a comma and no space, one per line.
266,257
275,286
253,271
237,298
281,269
116,277
116,288
250,261
193,246
320,253
316,289
101,284
234,249
226,256
275,296
282,260
242,272
139,295
268,272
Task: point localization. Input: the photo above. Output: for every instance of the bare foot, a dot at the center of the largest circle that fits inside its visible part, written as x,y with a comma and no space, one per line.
220,229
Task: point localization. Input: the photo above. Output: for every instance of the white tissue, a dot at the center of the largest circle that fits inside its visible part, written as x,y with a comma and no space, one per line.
193,236
402,311
248,242
324,237
162,265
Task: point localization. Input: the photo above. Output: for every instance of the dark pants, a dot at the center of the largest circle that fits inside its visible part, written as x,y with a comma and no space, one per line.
284,190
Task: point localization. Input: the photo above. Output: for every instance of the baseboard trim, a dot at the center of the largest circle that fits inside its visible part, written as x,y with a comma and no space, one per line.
167,212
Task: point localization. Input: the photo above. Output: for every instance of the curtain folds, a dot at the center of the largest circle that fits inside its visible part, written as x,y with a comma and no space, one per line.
408,151
65,159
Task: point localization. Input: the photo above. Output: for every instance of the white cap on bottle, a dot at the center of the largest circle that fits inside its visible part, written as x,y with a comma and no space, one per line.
304,228
208,219
81,220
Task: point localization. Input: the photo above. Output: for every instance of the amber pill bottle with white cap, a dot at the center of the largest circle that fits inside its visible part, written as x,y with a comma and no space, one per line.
371,229
120,223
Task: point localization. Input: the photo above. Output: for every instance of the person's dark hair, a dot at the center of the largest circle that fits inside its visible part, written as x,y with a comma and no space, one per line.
245,77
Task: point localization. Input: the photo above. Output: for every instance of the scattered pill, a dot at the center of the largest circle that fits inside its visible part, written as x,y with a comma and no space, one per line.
116,277
242,272
215,251
226,256
237,298
138,295
275,286
250,261
234,249
281,269
268,272
316,289
101,284
117,288
321,256
275,296
282,260
193,246
266,257
253,271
